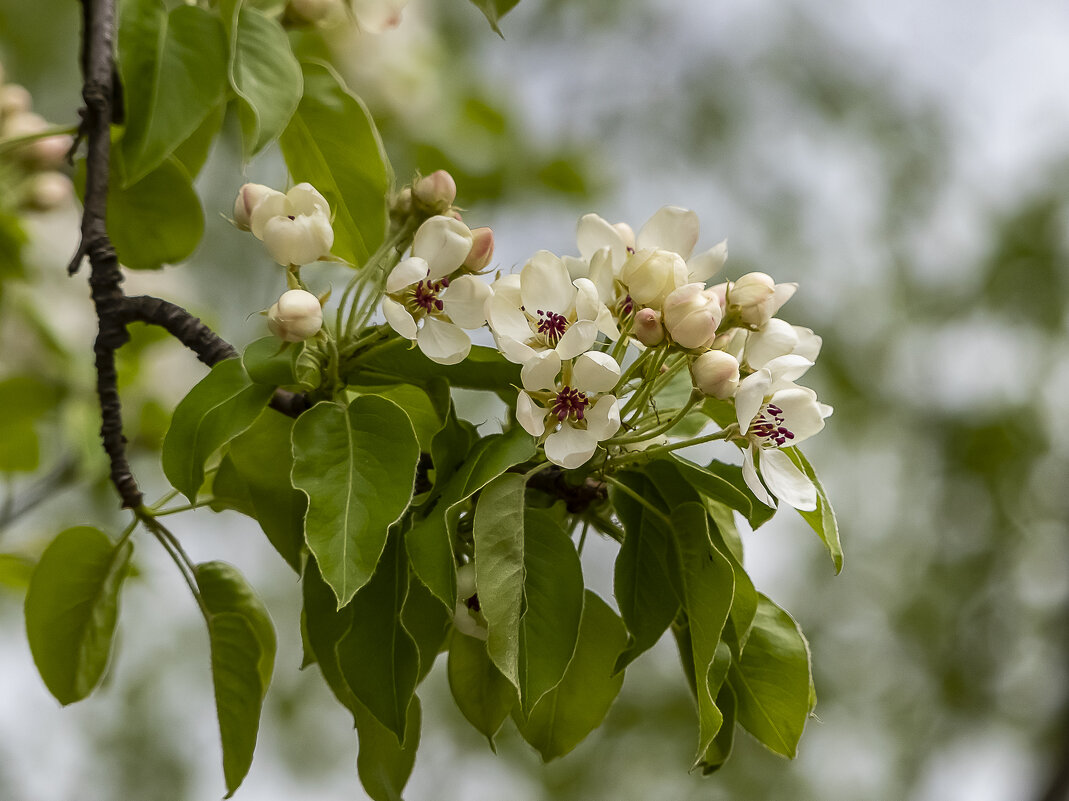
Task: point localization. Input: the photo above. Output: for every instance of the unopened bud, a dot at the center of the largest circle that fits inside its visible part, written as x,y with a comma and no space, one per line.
651,274
50,190
648,329
482,249
248,196
435,192
296,316
716,374
401,205
311,11
692,315
750,298
14,99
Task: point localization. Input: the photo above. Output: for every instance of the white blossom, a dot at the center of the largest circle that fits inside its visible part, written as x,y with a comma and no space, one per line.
294,226
296,316
716,374
755,298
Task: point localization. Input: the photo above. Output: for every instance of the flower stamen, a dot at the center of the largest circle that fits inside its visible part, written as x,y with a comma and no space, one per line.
768,426
552,326
570,403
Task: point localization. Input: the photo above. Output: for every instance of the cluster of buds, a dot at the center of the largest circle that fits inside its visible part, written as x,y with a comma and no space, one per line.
35,166
294,226
427,196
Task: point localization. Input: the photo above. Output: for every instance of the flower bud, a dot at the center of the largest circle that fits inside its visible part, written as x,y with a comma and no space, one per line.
648,329
47,152
482,249
14,99
401,205
50,190
692,315
248,196
311,11
651,274
716,374
435,192
296,316
751,298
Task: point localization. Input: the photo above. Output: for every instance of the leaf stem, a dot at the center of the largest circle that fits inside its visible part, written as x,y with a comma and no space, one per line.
628,491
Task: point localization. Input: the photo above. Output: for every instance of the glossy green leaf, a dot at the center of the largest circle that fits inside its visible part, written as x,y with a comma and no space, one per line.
263,72
494,10
773,680
173,68
720,749
378,657
483,369
422,411
332,143
357,466
744,604
450,447
243,649
578,705
553,598
269,361
222,405
382,764
427,622
642,583
156,221
712,486
499,568
194,152
254,478
482,694
429,541
822,519
72,605
325,625
708,589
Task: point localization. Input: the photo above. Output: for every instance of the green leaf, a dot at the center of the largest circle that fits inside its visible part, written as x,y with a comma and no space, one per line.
325,625
499,568
708,589
553,597
332,143
263,72
357,466
482,694
254,478
421,410
450,446
269,361
720,749
378,657
744,604
578,705
773,680
822,519
15,571
483,369
710,485
429,541
642,582
243,649
173,68
494,10
71,608
193,152
732,473
156,221
222,405
24,398
427,622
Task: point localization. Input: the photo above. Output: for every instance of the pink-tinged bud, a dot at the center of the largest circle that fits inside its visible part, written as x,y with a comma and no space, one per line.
49,190
691,316
716,374
296,316
435,192
626,234
648,329
482,249
311,11
14,99
248,196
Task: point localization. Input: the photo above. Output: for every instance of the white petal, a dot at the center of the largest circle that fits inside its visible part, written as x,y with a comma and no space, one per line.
408,272
540,371
305,199
546,286
607,323
705,265
577,339
508,286
399,318
671,228
587,303
595,372
596,233
272,204
749,475
825,410
786,481
784,292
515,352
601,275
777,338
531,416
378,16
577,268
297,241
802,415
443,342
750,396
603,418
808,343
506,319
465,301
785,369
443,243
570,447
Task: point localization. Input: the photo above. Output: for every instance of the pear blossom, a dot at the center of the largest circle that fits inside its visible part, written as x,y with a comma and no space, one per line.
294,226
716,374
543,309
755,298
425,303
647,328
692,315
773,412
296,316
566,402
378,16
248,197
779,338
435,192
